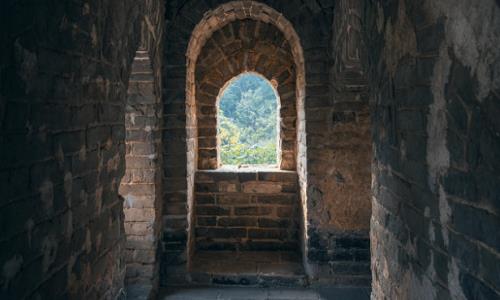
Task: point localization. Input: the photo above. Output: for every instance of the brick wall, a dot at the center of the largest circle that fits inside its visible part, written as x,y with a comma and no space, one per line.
63,73
139,186
434,94
436,97
339,163
193,23
69,240
334,196
247,210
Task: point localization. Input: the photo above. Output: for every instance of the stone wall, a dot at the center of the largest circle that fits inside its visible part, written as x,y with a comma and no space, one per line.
63,72
436,97
335,197
339,163
193,23
433,101
141,185
246,210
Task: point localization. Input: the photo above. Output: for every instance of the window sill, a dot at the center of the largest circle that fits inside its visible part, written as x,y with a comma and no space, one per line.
248,169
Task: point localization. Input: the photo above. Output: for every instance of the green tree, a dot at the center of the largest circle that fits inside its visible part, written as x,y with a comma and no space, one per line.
248,122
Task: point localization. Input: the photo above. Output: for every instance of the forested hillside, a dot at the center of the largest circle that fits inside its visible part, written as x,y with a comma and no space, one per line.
248,122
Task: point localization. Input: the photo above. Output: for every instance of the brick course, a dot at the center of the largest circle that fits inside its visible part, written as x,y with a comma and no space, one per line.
242,218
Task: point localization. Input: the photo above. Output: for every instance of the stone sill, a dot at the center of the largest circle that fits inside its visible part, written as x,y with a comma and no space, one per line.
249,169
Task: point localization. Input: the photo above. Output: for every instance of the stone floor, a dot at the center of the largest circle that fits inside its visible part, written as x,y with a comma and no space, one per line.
241,293
220,275
262,269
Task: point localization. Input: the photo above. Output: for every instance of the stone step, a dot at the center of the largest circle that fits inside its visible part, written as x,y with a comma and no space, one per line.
248,268
141,53
248,280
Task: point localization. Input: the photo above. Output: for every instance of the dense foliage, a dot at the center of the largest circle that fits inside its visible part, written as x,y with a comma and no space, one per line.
248,122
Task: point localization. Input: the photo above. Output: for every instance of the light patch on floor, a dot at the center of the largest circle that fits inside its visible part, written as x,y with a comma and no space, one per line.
340,293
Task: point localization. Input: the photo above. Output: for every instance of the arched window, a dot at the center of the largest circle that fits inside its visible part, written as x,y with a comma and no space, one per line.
247,126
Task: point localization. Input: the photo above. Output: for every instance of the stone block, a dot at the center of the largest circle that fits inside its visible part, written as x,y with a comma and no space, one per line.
206,199
276,234
206,221
237,222
281,199
261,187
212,211
277,176
233,199
252,211
285,212
221,233
274,223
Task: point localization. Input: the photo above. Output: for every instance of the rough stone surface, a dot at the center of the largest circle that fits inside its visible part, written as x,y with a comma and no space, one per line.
339,156
63,71
248,268
194,23
256,211
332,120
423,76
140,186
435,97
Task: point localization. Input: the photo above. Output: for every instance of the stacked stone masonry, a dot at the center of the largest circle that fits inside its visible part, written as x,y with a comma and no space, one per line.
339,156
435,95
410,89
64,71
247,210
139,186
194,23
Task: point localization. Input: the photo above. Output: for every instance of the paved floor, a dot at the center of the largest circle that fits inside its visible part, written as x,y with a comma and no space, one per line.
345,293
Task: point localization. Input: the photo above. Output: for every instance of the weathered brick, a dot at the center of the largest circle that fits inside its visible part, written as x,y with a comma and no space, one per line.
206,199
227,233
237,222
212,211
274,223
252,211
282,199
285,212
206,221
261,187
267,234
233,199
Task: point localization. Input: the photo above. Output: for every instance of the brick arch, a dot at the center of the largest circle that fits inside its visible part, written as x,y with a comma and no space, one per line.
240,47
214,28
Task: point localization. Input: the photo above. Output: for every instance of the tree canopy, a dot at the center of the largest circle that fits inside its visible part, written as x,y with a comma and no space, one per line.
248,122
